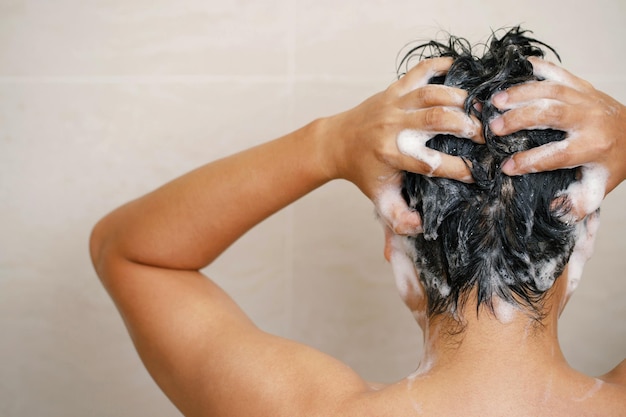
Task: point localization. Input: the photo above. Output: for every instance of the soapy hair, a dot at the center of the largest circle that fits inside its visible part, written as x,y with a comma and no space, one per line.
500,236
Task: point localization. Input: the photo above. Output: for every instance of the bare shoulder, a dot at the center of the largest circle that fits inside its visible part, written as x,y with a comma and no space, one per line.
210,359
617,375
614,398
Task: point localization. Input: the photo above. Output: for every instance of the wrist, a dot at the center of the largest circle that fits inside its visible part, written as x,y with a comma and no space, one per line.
326,146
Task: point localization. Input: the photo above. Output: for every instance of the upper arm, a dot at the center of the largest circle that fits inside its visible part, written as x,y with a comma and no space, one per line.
209,358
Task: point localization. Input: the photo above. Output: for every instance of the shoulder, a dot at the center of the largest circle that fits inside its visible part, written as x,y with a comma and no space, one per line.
617,375
210,359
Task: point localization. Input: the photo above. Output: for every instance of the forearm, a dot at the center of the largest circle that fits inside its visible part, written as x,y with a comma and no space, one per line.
188,222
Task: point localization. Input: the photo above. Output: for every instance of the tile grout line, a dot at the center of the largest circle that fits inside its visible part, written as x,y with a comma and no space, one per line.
291,79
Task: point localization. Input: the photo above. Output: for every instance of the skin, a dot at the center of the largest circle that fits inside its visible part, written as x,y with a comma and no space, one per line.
595,124
211,360
503,367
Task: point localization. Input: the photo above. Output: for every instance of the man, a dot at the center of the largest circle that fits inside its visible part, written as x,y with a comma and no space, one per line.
209,358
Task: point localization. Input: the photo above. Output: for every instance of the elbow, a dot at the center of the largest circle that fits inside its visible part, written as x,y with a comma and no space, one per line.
108,247
98,242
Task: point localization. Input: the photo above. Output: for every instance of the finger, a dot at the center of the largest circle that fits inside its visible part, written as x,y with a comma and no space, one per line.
445,120
395,213
432,95
568,153
422,73
523,94
547,157
455,168
433,163
420,159
550,71
540,114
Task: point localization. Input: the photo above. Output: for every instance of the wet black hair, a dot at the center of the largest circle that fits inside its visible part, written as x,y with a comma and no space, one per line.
500,236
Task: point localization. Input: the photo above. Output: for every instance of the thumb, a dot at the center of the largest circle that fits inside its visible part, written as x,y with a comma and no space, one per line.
395,213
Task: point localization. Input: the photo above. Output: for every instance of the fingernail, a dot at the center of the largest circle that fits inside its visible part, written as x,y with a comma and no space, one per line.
509,167
500,98
496,124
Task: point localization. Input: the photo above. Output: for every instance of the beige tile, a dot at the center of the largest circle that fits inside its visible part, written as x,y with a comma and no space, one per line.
115,140
256,272
65,349
113,37
72,152
593,313
595,26
357,39
145,90
344,298
362,39
314,99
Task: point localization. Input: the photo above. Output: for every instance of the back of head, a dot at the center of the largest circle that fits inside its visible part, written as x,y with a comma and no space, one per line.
500,236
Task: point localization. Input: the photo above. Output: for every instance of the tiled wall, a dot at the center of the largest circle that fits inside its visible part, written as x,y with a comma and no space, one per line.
100,101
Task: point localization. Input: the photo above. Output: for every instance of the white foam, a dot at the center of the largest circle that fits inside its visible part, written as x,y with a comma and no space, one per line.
583,249
444,289
505,312
544,274
410,380
588,193
403,267
413,143
428,359
592,391
426,364
386,201
394,211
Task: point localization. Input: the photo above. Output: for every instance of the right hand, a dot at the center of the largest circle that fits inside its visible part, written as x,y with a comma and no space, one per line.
372,144
594,122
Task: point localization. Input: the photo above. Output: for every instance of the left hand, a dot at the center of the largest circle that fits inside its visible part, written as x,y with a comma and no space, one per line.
595,124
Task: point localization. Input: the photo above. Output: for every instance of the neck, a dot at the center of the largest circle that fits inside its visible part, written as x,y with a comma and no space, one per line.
487,343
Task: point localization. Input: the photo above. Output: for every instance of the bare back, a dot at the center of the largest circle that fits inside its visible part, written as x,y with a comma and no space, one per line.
210,359
516,397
